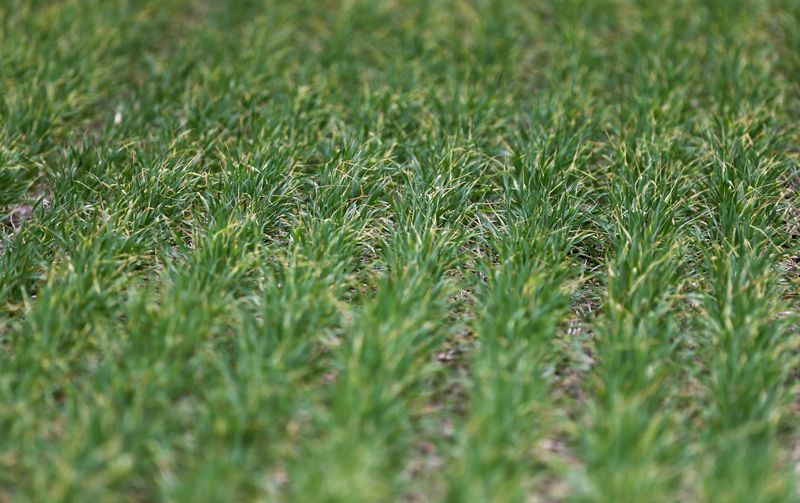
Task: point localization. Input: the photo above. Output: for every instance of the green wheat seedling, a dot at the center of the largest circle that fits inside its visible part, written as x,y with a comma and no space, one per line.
632,434
525,299
746,331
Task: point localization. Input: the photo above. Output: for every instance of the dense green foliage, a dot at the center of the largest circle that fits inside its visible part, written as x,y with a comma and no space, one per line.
382,250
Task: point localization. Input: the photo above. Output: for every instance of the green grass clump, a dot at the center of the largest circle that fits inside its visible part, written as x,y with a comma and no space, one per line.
448,250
